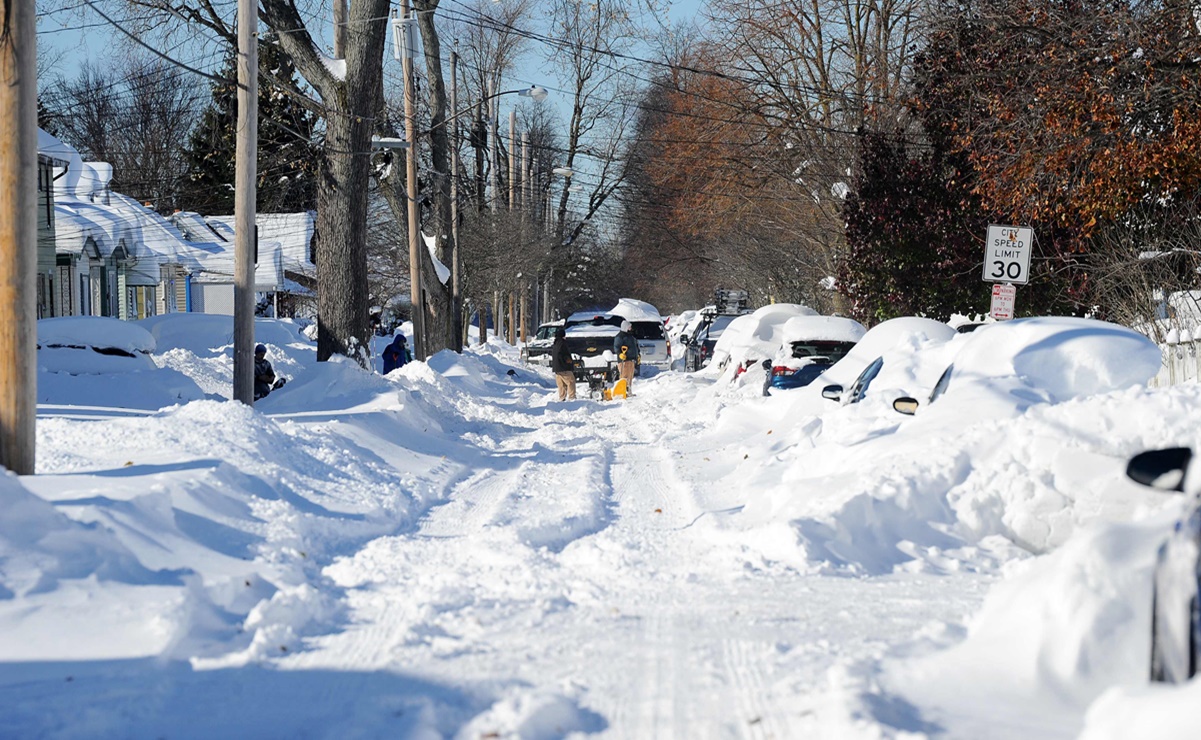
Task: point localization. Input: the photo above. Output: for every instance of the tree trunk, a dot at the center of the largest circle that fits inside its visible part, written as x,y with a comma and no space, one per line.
344,327
437,298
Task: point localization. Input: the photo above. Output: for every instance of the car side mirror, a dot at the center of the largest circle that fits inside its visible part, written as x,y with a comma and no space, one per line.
832,392
1160,469
905,405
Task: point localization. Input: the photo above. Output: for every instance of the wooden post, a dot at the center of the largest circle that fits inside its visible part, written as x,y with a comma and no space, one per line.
18,236
415,261
245,188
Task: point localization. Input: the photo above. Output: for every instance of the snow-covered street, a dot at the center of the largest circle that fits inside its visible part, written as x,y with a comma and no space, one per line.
450,552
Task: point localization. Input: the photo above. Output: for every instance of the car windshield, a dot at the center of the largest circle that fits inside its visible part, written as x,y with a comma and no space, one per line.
833,350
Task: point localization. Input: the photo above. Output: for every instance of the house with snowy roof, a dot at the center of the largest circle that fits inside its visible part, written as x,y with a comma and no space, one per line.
113,256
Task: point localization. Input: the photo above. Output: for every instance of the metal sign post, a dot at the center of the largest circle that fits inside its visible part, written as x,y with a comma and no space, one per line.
1007,262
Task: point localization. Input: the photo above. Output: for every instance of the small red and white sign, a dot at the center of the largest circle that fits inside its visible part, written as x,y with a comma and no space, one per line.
1004,296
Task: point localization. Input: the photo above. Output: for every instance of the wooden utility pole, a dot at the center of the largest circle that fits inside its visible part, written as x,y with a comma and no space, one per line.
512,159
18,236
340,13
494,147
523,316
512,318
246,166
456,297
525,174
415,290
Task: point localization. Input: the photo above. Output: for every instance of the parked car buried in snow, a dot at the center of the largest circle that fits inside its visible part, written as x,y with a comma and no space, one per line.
537,348
1175,619
811,345
999,370
898,349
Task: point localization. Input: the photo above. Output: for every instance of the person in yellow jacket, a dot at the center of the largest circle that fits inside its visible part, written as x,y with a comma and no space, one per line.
625,346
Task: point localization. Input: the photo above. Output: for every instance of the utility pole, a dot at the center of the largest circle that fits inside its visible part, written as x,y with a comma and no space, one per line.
494,150
18,236
512,158
245,178
415,289
340,13
456,297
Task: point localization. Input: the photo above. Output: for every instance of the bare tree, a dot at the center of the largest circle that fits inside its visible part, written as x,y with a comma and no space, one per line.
602,98
135,118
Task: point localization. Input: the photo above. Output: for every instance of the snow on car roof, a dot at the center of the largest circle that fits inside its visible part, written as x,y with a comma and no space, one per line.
636,310
822,329
1066,357
94,331
910,332
757,335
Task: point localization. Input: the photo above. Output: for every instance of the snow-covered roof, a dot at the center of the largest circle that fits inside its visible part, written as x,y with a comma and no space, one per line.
293,231
51,148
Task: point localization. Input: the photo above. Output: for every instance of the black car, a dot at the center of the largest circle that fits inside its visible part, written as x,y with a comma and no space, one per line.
1175,622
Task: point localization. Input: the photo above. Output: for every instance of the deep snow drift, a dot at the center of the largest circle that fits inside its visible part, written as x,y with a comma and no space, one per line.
448,552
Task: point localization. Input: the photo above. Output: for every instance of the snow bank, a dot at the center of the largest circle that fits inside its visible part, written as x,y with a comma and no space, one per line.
40,547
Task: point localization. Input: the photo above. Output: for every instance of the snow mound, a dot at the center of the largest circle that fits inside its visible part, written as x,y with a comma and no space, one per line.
338,383
533,715
39,547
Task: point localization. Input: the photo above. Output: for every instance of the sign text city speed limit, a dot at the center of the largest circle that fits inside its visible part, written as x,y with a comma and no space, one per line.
1007,254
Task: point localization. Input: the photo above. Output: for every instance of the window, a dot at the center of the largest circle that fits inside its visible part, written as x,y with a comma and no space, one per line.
649,330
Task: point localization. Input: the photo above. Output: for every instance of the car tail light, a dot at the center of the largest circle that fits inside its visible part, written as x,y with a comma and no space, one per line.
781,370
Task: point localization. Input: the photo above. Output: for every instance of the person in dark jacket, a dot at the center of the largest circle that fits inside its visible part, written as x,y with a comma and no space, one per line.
563,366
625,346
264,374
396,354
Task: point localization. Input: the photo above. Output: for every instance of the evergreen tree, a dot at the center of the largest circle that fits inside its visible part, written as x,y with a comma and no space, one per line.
287,158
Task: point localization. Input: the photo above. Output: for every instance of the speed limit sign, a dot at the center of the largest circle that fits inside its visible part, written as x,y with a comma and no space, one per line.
1007,254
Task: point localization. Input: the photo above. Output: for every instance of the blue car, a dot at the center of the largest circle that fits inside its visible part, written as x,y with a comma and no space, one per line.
808,360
